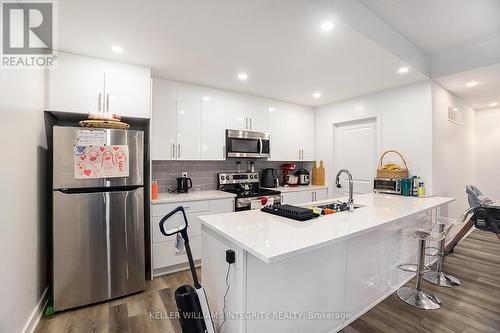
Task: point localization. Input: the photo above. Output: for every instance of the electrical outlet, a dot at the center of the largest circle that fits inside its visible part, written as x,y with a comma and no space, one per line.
184,174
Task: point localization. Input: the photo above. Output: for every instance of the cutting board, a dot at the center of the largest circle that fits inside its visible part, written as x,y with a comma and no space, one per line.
321,174
314,172
318,174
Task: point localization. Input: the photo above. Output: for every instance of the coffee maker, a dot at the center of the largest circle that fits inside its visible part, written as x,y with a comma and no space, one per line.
287,169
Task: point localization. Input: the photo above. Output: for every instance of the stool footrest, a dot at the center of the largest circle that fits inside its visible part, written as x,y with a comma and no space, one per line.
412,268
432,248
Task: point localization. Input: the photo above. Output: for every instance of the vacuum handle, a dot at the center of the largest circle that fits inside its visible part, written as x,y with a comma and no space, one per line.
183,231
177,229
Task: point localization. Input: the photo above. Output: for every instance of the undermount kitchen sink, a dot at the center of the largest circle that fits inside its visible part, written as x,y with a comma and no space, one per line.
338,206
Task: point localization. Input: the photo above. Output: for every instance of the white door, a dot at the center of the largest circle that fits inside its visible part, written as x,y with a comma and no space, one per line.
128,90
356,150
164,121
213,125
188,123
76,85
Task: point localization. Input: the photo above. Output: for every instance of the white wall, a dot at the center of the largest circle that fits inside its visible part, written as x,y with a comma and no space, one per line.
454,149
22,197
405,116
488,152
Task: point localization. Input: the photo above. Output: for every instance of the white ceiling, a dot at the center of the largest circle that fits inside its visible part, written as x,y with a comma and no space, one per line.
462,38
480,96
441,26
278,43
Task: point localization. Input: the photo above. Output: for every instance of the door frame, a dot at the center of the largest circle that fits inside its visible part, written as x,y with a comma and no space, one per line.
354,120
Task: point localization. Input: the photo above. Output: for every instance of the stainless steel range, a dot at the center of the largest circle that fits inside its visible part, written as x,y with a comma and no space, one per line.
247,189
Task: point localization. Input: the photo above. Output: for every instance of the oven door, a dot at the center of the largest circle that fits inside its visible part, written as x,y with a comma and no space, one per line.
247,144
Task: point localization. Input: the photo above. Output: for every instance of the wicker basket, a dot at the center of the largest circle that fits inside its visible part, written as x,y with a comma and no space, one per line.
392,174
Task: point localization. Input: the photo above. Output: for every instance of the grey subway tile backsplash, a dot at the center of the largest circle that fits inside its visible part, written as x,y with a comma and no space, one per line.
204,173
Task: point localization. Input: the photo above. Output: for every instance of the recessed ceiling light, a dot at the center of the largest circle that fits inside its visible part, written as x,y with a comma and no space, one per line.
403,70
117,49
492,104
270,109
207,98
326,26
472,84
317,94
242,76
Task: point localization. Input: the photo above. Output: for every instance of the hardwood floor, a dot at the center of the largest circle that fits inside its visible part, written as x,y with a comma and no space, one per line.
473,307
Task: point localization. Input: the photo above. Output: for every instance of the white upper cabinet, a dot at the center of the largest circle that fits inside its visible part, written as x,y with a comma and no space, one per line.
87,85
128,90
188,123
246,113
164,121
277,130
76,85
213,125
300,134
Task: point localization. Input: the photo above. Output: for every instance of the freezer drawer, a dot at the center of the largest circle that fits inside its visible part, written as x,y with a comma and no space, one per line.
65,139
98,246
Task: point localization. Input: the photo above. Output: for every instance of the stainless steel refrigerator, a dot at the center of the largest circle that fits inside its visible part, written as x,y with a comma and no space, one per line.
98,223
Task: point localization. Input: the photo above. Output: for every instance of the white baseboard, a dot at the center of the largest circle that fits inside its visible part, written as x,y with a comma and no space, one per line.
35,316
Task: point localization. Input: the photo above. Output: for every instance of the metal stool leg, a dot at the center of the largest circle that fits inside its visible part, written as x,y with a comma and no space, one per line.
438,277
416,296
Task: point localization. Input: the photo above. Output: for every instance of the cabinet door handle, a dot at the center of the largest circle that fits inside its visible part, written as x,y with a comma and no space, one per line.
173,150
107,102
179,150
251,123
246,123
99,102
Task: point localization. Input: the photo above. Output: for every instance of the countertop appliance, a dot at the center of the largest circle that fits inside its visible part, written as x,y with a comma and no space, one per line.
288,177
304,176
269,178
247,190
184,184
98,215
248,144
385,185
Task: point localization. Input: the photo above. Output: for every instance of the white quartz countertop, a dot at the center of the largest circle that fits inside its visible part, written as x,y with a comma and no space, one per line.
192,196
300,188
273,238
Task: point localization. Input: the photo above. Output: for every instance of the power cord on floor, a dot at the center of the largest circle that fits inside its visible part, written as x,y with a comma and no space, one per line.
225,294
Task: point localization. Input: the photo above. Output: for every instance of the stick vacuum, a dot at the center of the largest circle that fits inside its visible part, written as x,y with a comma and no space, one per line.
192,303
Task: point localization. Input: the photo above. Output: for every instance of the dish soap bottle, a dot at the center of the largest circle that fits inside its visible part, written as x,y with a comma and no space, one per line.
421,190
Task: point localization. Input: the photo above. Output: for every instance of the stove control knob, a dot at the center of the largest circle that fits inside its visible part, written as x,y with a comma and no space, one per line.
221,177
251,176
227,177
256,176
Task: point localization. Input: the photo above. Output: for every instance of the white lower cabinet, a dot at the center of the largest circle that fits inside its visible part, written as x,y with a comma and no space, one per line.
298,197
165,254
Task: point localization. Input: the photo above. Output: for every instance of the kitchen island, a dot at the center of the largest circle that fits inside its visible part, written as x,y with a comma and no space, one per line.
314,276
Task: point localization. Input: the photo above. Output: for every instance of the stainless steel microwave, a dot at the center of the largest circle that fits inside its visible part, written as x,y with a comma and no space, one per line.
383,185
249,144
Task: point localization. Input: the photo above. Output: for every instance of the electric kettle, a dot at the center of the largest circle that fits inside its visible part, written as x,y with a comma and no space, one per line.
184,184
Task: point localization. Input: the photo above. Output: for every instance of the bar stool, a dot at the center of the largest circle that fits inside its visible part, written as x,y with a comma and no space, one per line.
417,296
437,276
